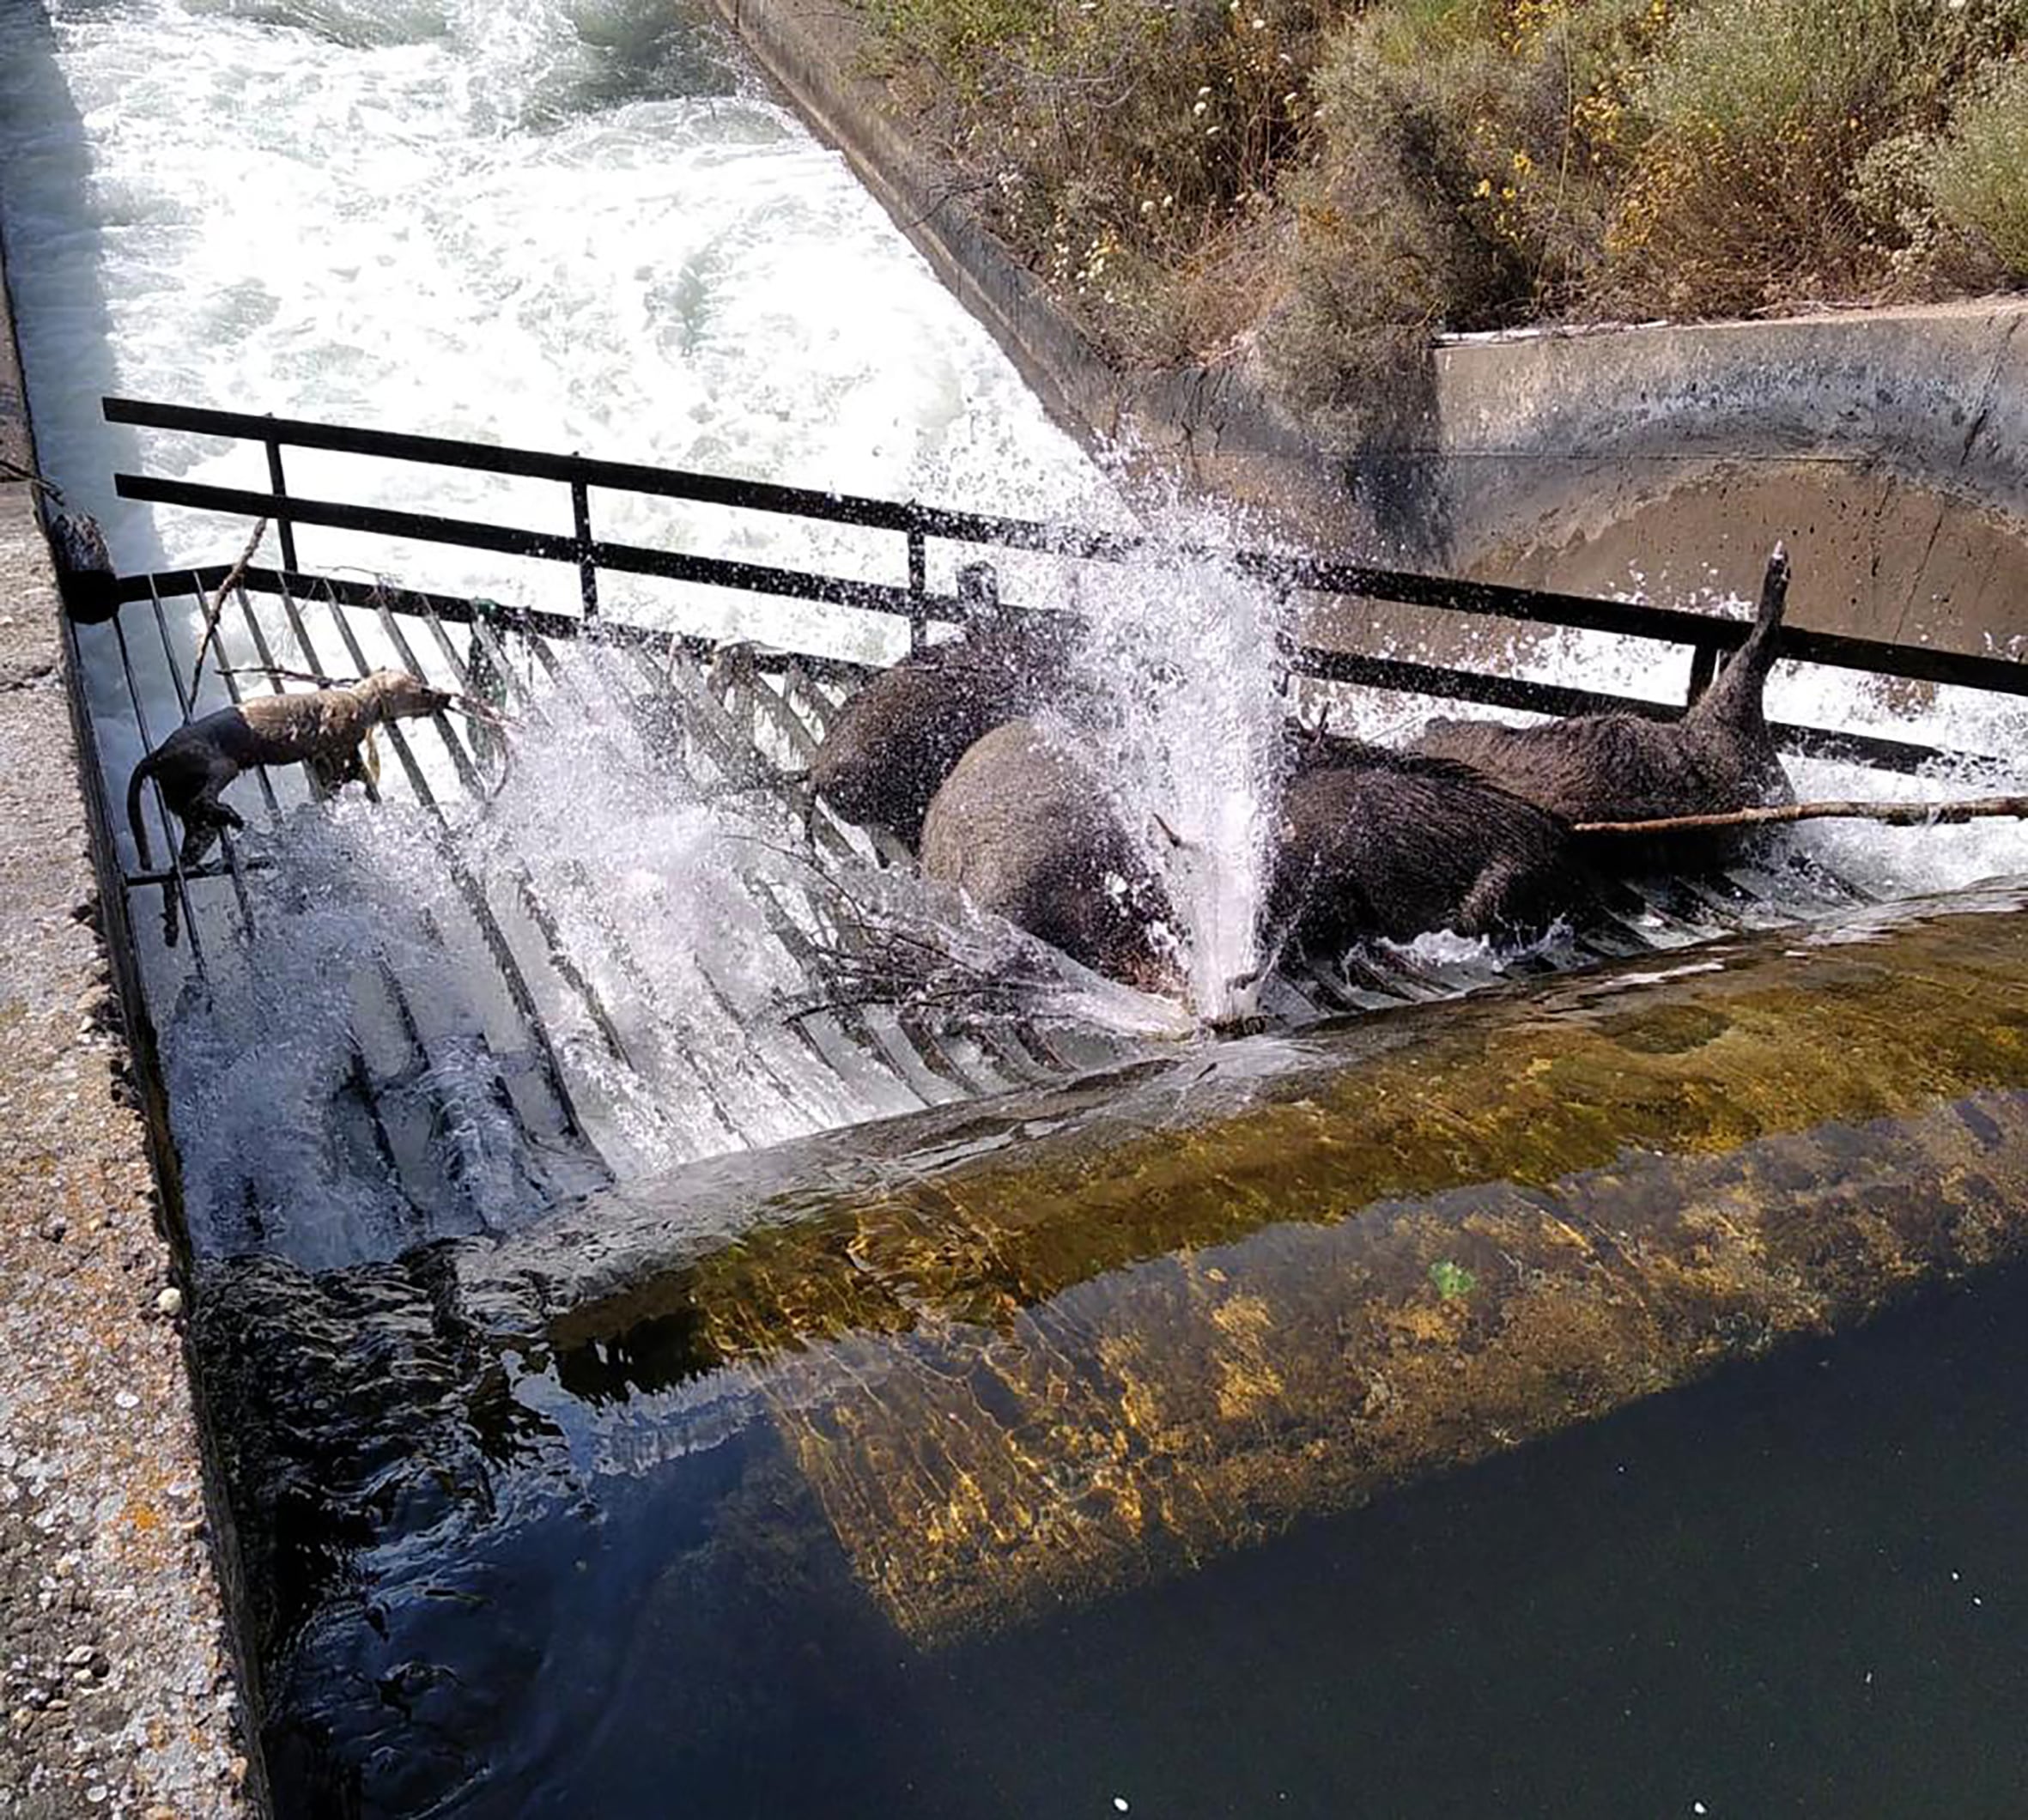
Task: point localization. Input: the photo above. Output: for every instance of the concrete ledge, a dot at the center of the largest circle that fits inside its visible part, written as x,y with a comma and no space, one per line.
116,1689
1886,445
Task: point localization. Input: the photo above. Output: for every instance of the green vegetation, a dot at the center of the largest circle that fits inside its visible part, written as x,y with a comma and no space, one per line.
1333,179
1453,1282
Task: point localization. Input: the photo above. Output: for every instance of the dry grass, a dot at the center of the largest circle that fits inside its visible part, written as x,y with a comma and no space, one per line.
1335,178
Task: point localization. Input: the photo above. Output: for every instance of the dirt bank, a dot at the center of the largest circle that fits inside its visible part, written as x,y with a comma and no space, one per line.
1884,444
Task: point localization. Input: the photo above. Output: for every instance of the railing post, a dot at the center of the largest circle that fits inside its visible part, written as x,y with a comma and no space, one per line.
1703,667
581,516
279,487
919,585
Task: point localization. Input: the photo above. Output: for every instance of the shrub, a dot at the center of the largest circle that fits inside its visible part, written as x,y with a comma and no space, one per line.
1977,180
1126,146
1760,178
1345,176
1464,182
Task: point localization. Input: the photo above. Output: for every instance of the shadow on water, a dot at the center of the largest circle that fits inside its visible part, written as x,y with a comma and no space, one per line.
1794,1589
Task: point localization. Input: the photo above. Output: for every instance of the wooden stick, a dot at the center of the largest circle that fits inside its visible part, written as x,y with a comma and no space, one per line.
481,711
225,587
1895,815
289,675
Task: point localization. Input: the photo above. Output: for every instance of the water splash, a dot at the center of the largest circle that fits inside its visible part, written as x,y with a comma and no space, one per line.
1184,653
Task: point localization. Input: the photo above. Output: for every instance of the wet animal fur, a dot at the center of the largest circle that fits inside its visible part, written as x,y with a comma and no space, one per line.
1619,768
323,727
895,740
1375,843
1022,827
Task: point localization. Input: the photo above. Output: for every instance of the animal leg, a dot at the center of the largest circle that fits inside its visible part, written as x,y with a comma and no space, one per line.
1736,695
1492,906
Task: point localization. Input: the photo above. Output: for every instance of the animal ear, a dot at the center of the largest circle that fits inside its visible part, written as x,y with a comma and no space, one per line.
369,760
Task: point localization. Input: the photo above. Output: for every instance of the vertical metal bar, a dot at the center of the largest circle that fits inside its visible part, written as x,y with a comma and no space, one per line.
279,486
918,586
1703,668
179,879
581,521
187,702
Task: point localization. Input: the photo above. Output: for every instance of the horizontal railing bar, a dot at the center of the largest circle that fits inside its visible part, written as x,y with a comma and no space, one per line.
1630,619
1404,677
461,611
710,489
203,869
542,546
1670,625
1397,675
1549,698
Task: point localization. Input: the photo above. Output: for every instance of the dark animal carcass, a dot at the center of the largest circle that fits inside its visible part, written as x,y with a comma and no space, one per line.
84,567
896,740
1375,843
1022,826
1720,757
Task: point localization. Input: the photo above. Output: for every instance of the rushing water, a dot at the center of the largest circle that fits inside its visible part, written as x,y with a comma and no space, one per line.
572,226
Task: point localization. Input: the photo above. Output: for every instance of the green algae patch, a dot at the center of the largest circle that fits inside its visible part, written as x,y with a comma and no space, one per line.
1528,1089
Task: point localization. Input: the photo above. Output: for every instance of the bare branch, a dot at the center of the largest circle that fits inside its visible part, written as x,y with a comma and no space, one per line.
1895,815
289,675
232,579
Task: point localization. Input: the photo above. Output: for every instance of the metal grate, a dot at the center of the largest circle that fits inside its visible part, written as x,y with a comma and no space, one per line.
530,1011
728,717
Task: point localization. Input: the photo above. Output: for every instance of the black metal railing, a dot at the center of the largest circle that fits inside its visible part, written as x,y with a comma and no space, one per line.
1706,638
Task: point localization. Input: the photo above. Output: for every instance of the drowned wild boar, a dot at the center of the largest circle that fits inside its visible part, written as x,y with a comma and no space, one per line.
1720,757
1375,843
1024,828
895,740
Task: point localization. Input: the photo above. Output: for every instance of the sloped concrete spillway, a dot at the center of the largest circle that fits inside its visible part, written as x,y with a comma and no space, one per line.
556,1524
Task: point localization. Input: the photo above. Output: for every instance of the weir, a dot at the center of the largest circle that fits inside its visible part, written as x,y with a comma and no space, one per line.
653,1361
508,1051
1100,1307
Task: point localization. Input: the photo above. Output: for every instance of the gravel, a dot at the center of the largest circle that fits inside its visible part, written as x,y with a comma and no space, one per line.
117,1693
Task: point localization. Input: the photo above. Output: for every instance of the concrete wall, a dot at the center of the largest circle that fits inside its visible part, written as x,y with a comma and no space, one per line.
1886,447
116,1690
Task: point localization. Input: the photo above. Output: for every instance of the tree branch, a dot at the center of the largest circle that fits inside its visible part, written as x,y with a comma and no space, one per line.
218,607
1895,815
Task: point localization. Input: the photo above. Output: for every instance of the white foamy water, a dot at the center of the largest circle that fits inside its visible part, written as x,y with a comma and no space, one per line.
1190,651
